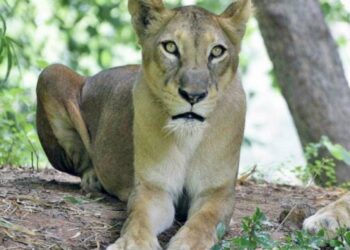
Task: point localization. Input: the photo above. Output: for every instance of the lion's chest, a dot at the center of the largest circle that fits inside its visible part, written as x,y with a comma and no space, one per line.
173,168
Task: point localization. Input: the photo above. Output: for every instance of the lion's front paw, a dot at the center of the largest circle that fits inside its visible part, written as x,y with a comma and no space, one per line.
187,239
116,246
180,245
130,243
190,244
330,218
326,221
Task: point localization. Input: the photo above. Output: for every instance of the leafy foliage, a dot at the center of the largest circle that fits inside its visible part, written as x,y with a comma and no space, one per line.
253,234
8,52
334,10
19,142
256,235
321,164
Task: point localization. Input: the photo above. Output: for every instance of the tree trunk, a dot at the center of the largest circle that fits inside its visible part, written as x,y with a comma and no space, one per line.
308,69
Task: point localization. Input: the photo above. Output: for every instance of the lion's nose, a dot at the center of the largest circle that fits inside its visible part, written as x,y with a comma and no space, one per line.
192,98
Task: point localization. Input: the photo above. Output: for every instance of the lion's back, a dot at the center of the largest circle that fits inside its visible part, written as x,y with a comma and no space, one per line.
107,93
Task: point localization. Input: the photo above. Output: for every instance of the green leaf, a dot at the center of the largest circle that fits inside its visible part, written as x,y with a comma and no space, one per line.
346,157
9,61
41,63
216,247
74,200
220,231
337,151
347,237
3,23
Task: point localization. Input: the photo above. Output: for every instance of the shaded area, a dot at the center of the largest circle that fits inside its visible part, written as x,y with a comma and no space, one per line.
47,210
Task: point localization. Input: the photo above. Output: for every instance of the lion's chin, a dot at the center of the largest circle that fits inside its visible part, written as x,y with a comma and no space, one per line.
183,127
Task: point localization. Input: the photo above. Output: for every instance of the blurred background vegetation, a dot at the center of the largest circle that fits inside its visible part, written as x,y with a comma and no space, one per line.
91,35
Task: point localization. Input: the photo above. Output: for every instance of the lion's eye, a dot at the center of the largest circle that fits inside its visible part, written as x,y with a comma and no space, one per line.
170,47
217,51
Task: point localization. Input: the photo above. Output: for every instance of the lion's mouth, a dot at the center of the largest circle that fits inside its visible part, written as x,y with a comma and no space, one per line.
189,116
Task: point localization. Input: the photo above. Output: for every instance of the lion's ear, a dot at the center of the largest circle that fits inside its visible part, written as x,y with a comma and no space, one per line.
144,14
238,11
237,15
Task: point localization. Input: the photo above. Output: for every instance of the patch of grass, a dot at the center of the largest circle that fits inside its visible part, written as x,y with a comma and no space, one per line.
257,234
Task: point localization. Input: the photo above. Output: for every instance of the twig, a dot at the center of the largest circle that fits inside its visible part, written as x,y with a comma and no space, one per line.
31,145
293,208
246,175
9,153
31,160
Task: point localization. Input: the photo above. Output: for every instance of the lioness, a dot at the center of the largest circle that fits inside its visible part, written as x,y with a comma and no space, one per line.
161,135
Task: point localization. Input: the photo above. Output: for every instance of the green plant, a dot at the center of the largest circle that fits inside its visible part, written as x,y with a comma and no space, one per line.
335,10
303,241
256,235
321,157
253,234
19,143
7,50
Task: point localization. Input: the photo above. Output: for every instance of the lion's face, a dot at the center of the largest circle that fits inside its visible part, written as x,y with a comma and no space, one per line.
189,58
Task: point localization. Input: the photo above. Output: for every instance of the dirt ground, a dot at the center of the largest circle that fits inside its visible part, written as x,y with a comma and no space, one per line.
47,210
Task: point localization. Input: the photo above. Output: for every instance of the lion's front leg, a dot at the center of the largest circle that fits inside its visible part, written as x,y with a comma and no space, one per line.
210,208
331,217
150,212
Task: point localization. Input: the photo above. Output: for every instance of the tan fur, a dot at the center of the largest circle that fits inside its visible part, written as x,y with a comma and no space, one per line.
331,217
126,143
118,129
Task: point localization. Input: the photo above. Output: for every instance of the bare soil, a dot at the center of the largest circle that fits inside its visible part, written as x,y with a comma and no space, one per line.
47,210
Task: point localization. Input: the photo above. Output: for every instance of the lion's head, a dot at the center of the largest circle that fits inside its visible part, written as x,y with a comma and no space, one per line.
189,55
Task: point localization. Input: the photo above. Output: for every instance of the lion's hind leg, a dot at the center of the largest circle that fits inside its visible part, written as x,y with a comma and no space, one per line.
61,129
89,181
331,217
